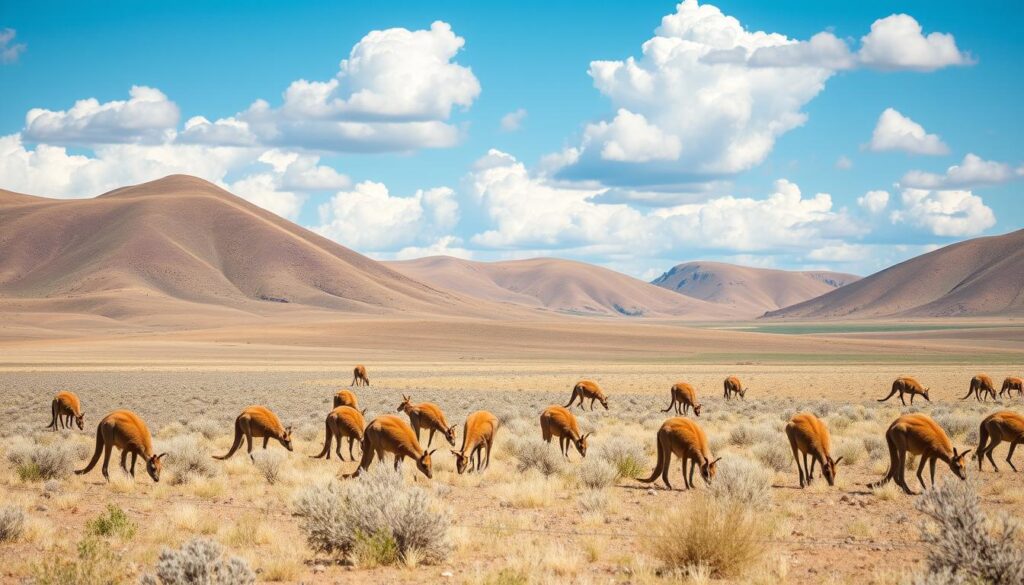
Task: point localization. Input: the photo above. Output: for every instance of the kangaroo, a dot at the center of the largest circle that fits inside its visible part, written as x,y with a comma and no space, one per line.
684,396
427,416
343,421
346,398
64,409
1001,426
734,387
809,435
477,435
126,431
907,385
390,434
258,421
557,421
1010,384
982,387
920,435
685,439
359,377
588,389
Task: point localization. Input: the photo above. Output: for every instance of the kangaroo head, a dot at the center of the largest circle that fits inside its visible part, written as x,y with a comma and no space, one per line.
829,469
581,444
743,392
424,465
461,461
449,434
604,402
154,465
406,403
696,410
925,394
286,440
80,421
957,463
708,470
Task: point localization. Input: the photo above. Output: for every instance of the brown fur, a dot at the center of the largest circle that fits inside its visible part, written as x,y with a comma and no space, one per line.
920,435
557,421
427,416
126,431
65,410
390,434
1010,384
346,398
588,389
685,439
477,435
733,387
359,377
907,385
258,421
808,435
685,397
1001,426
343,421
982,387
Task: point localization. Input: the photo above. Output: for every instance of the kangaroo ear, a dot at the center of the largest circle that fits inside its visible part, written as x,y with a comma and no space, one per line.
456,453
160,456
836,462
715,461
956,454
431,452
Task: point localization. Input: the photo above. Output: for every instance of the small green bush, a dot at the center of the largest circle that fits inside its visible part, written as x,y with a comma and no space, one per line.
113,522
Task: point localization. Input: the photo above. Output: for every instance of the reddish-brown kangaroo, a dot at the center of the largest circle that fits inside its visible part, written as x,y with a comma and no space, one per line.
346,398
359,377
126,431
477,435
920,435
343,421
685,439
982,387
809,435
1010,384
258,421
733,387
907,385
588,389
64,409
1004,425
684,397
557,421
427,416
390,434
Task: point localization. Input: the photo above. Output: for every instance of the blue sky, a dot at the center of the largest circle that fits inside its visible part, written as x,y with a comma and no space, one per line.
712,145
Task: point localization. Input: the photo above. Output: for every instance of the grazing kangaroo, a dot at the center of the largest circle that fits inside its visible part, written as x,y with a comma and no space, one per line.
343,421
359,377
477,435
685,439
685,397
1001,426
126,431
557,421
809,435
588,389
346,398
982,387
64,409
427,416
258,421
390,434
920,435
734,387
1010,384
907,385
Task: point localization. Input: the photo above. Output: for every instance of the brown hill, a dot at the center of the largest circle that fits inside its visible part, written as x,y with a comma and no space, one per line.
979,277
559,285
749,292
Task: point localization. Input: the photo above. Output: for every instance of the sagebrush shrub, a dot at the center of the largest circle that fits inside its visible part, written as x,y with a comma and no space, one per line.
595,473
774,455
536,454
628,457
269,464
113,522
956,424
852,451
744,435
188,457
12,523
593,500
206,427
742,480
200,562
95,564
35,462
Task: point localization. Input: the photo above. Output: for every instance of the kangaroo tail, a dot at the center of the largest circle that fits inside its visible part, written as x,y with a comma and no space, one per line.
366,459
327,441
670,404
575,393
891,394
53,416
658,467
96,454
235,445
973,388
982,442
894,462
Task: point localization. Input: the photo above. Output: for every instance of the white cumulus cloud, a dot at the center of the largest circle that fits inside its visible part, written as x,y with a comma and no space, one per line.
897,42
973,172
952,213
513,121
874,201
9,50
147,116
894,131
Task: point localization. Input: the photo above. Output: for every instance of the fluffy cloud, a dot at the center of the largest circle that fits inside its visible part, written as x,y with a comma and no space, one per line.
896,42
444,246
823,50
9,50
894,131
513,121
944,213
147,116
874,201
974,171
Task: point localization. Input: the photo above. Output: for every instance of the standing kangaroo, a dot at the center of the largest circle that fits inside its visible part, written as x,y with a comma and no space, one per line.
733,387
588,389
477,435
982,387
359,377
126,431
809,435
685,397
907,385
920,435
427,416
685,439
343,421
390,434
1004,425
258,421
64,409
1010,384
557,421
346,398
